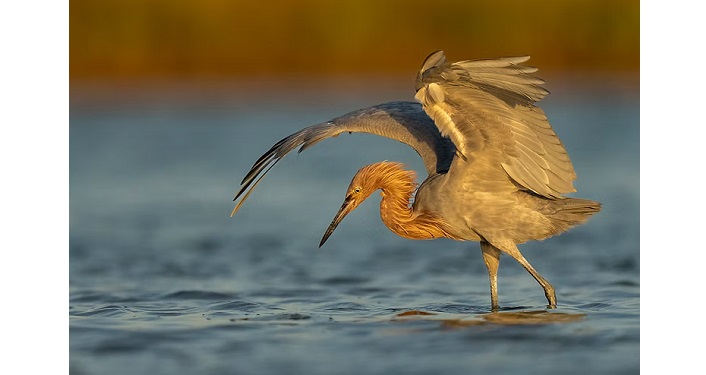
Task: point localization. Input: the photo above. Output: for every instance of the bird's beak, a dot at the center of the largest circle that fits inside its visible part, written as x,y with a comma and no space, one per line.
347,206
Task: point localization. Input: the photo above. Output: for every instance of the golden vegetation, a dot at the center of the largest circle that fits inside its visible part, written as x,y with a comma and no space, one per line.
181,38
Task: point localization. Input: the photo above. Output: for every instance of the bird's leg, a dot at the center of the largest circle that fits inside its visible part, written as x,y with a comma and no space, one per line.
512,250
491,257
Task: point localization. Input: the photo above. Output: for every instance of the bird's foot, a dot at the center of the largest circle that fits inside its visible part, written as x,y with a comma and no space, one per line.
551,298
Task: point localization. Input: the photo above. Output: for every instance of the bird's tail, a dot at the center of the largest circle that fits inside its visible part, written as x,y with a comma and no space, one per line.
572,211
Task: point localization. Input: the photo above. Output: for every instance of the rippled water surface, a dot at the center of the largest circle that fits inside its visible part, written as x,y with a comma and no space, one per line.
162,281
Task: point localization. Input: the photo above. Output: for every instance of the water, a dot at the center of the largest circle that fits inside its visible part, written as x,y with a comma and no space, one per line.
162,281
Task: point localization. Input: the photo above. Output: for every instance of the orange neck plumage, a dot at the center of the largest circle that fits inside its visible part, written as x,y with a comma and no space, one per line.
397,187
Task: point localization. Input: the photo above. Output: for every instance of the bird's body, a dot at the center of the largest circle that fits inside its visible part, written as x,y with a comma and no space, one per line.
497,172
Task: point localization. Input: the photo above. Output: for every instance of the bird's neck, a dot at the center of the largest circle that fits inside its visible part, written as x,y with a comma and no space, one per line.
398,215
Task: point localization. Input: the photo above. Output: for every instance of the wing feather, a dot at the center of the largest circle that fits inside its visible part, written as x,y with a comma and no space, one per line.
403,121
488,105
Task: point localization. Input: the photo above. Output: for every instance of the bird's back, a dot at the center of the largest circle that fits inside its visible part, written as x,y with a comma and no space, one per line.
513,214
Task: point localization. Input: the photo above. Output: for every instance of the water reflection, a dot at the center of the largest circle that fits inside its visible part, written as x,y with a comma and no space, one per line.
532,317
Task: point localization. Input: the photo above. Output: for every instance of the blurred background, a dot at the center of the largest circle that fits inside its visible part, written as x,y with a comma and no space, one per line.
140,44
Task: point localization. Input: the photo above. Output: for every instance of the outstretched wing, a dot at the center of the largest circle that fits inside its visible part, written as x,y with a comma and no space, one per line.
403,121
486,107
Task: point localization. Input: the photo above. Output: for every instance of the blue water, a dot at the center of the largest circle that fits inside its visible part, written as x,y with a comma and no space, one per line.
162,281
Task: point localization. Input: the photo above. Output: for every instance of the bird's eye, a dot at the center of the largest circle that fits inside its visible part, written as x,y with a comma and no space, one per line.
356,190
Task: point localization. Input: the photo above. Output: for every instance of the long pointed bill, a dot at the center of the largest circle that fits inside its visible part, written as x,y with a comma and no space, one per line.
346,208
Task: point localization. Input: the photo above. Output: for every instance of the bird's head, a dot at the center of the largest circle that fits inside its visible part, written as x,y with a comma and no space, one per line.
358,191
364,183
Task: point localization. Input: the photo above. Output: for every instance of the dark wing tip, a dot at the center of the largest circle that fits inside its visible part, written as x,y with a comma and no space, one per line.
304,138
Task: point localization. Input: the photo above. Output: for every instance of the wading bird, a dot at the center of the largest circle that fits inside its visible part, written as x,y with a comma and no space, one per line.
497,172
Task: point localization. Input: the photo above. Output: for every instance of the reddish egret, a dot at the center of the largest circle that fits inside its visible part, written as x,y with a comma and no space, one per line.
497,172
